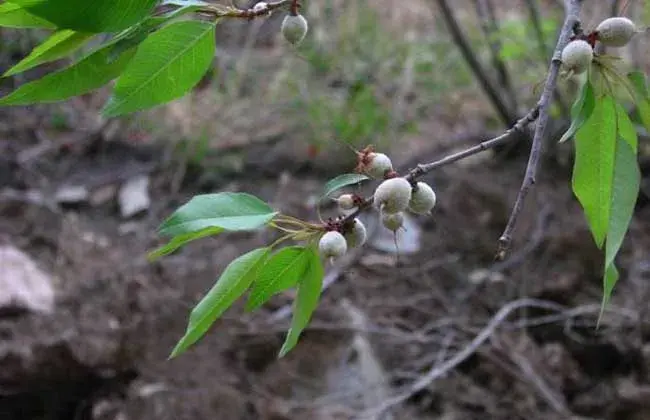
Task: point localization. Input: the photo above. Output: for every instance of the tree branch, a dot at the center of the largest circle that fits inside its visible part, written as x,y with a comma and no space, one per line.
220,11
572,19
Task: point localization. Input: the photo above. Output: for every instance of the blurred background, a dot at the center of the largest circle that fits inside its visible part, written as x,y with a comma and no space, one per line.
86,323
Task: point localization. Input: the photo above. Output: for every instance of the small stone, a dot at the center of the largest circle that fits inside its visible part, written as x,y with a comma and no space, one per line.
23,285
71,194
103,195
133,196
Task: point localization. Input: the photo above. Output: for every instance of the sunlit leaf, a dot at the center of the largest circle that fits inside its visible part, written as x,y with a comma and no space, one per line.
169,63
581,110
625,185
638,82
226,210
593,171
232,284
138,33
86,75
307,297
281,272
57,46
14,16
178,241
89,15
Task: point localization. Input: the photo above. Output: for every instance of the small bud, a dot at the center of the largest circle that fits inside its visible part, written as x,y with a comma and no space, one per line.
379,165
577,56
616,31
392,221
345,202
332,245
393,195
357,235
294,28
423,199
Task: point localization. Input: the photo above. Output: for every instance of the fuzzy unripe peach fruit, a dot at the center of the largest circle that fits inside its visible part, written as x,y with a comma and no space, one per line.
616,31
357,235
392,221
379,165
393,195
423,199
332,245
294,28
577,56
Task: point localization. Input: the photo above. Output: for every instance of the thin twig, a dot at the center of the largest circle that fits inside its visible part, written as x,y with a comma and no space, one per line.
506,114
507,136
572,8
440,370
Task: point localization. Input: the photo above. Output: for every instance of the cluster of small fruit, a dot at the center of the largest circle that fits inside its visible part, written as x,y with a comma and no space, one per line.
392,198
612,32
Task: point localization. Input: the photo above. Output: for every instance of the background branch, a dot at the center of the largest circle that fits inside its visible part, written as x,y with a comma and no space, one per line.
490,27
536,19
440,370
505,113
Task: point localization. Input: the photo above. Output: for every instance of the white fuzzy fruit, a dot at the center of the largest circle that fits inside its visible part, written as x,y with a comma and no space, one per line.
294,28
616,31
393,195
577,56
379,165
332,245
357,235
423,199
392,221
345,202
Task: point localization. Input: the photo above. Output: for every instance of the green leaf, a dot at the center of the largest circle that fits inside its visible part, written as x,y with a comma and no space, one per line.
90,16
625,190
593,170
14,16
178,241
642,99
167,65
609,281
638,82
581,110
88,74
226,210
232,283
281,272
138,33
309,291
57,46
343,181
625,184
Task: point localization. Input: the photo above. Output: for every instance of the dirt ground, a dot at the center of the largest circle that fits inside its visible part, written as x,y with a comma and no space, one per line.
381,326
